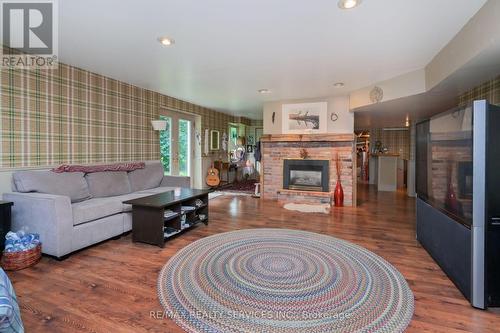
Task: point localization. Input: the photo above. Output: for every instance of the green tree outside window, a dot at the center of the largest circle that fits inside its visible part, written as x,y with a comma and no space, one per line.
184,147
165,146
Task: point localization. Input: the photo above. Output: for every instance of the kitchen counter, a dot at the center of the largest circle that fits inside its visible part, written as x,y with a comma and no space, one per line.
384,171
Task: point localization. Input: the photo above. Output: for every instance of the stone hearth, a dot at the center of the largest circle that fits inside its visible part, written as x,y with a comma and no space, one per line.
278,148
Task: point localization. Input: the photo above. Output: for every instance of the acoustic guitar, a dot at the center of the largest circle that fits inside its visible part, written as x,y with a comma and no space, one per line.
213,179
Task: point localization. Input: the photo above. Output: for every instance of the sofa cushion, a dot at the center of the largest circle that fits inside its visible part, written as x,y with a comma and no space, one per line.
72,185
108,184
95,209
149,177
131,196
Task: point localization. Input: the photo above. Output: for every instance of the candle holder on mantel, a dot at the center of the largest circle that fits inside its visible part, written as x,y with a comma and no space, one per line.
338,195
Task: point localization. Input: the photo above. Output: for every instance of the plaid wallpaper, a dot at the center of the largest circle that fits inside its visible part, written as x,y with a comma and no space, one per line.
257,123
70,115
398,142
489,90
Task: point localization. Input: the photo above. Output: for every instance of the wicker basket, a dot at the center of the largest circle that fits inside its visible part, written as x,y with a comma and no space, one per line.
14,261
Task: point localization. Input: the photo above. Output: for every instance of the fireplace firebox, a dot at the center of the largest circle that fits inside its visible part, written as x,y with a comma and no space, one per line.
306,175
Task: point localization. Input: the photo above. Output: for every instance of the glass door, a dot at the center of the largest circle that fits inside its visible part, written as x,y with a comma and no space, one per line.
166,145
184,148
176,143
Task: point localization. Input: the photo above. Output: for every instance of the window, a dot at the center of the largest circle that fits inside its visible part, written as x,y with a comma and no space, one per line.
233,137
184,147
166,146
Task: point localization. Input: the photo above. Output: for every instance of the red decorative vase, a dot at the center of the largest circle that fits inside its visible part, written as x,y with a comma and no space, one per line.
451,203
338,195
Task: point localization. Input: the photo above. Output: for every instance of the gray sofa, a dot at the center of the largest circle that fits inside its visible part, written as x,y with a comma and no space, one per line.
74,210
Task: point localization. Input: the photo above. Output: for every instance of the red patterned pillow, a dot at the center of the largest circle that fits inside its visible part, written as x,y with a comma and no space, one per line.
100,168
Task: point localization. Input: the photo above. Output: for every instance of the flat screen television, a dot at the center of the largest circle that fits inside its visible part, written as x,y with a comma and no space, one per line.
444,163
458,204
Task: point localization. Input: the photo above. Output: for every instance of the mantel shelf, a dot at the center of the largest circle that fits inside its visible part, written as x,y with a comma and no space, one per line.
308,138
306,193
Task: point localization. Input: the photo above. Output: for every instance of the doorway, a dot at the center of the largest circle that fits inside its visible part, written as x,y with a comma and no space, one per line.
177,146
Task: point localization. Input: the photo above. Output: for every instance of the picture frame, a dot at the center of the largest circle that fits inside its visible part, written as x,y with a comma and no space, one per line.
305,118
214,140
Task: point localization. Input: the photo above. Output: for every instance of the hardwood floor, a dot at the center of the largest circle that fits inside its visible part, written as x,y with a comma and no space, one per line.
111,287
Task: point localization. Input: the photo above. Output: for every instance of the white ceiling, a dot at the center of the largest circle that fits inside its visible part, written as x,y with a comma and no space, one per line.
226,50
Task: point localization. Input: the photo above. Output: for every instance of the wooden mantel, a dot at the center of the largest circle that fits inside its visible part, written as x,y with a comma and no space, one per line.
307,137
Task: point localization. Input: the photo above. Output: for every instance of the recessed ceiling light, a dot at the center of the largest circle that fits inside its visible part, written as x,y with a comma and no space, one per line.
165,41
339,85
264,91
349,4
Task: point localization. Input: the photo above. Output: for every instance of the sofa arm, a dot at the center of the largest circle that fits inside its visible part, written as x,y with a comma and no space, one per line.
51,216
175,181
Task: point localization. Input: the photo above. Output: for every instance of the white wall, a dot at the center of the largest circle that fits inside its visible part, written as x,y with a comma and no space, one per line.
405,85
478,35
338,105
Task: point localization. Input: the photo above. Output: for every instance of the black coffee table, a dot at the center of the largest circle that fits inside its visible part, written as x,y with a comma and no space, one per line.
5,215
151,224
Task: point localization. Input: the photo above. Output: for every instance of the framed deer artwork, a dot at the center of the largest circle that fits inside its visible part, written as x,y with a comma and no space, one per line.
305,118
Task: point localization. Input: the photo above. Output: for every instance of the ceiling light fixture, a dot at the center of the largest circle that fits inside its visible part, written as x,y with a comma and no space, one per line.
165,41
339,85
264,91
349,4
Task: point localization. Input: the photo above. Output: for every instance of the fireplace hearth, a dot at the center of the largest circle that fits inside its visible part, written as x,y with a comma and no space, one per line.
306,175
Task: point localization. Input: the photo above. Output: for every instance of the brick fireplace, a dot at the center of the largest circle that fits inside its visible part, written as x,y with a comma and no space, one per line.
312,158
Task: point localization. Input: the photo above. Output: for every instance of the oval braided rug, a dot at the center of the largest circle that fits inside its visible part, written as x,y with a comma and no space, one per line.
275,280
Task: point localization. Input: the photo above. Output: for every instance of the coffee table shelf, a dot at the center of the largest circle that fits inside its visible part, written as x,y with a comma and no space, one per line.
171,217
149,223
